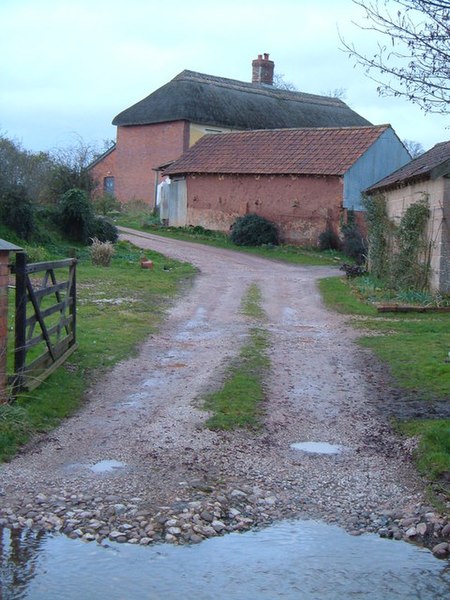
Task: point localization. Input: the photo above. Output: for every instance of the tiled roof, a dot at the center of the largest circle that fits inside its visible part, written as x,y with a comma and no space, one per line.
321,151
217,101
419,168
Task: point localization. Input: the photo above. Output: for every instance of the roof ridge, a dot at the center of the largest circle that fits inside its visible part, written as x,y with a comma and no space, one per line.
257,88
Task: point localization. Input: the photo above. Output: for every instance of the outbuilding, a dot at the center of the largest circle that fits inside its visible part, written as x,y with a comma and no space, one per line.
302,179
426,178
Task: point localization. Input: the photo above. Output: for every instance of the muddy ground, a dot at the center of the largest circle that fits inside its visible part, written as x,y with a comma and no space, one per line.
145,415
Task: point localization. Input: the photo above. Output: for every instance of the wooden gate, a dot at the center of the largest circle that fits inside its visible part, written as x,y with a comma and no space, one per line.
45,319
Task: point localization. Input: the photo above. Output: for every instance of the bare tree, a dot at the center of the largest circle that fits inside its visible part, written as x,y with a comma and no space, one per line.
414,148
280,83
338,93
414,61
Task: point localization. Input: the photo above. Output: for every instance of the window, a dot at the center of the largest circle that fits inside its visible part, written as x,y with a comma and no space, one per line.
108,186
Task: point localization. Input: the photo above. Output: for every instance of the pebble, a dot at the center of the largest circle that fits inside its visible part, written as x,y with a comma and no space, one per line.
216,513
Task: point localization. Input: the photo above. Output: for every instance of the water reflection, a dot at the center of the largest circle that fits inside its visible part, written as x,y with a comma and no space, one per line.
293,560
18,553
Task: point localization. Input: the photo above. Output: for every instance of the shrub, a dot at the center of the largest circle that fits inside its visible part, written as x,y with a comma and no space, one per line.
104,230
17,211
36,254
106,204
101,252
329,240
253,230
353,243
75,215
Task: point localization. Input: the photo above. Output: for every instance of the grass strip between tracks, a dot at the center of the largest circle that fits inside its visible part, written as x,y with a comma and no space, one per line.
239,401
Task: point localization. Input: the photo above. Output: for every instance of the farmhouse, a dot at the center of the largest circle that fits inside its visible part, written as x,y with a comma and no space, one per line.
159,128
424,178
304,180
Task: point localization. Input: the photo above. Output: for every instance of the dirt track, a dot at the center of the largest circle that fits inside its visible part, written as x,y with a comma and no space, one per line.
145,413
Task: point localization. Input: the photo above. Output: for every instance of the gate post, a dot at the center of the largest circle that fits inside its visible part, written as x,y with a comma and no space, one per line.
5,249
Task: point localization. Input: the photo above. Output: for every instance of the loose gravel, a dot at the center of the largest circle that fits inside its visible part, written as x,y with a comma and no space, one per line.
137,465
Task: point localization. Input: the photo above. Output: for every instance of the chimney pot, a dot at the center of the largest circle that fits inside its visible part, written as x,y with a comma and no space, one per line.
262,70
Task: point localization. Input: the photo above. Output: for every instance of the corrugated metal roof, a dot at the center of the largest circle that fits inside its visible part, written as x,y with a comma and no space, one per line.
318,151
217,101
419,168
4,245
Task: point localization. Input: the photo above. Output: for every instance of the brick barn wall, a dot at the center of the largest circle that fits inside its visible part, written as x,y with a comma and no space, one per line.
302,206
104,168
139,150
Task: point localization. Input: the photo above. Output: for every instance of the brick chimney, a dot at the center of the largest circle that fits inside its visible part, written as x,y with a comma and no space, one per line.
262,70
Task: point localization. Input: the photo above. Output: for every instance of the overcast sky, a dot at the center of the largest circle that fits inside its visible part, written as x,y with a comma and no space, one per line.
67,67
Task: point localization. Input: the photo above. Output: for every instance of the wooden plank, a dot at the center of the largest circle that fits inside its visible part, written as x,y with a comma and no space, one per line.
39,318
53,289
45,359
399,308
48,312
31,383
54,264
37,339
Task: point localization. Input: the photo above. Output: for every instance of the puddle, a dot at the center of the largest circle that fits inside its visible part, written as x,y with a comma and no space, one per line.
198,319
187,336
153,382
317,447
134,399
292,560
106,466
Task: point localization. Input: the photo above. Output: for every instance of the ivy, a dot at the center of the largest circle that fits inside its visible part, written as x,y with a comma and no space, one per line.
399,254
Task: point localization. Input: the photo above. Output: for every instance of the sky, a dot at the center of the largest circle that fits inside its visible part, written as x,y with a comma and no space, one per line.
68,67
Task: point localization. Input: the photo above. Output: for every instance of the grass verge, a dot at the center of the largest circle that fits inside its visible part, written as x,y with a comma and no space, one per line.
414,346
292,254
118,307
238,402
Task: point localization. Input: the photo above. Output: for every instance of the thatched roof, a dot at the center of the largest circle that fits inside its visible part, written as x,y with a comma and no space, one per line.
430,165
220,102
307,151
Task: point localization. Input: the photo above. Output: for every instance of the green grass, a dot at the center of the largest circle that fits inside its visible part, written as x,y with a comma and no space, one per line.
433,453
292,254
339,296
414,347
118,307
238,402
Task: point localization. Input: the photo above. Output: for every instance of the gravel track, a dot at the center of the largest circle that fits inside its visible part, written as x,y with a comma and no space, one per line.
179,482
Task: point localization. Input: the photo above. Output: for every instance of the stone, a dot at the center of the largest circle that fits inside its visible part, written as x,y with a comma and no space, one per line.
174,530
120,509
446,531
421,528
238,494
441,550
207,516
218,526
145,541
411,532
171,523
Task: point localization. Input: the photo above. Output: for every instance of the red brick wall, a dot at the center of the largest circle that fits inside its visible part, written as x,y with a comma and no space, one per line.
139,150
104,168
4,278
302,206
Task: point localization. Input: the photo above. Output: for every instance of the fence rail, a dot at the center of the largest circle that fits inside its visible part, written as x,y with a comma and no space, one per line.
45,319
